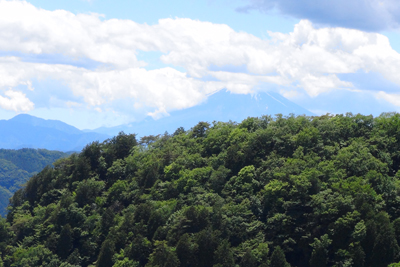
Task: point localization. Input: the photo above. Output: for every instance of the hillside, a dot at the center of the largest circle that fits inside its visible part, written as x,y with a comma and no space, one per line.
291,191
17,166
25,131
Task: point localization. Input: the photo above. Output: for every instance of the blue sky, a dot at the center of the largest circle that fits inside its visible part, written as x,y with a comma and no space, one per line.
104,63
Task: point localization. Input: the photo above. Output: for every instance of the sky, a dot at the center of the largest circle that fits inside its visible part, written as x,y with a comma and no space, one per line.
93,63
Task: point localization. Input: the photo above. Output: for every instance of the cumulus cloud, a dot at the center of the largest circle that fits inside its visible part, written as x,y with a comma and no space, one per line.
162,89
306,60
15,101
368,15
27,29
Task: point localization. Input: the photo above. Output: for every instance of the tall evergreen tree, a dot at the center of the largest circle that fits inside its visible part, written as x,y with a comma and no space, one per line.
186,251
278,258
107,252
385,248
207,244
223,256
319,256
163,256
65,242
248,260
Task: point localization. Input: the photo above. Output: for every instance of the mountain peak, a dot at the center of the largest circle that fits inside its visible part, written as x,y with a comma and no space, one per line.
221,106
53,124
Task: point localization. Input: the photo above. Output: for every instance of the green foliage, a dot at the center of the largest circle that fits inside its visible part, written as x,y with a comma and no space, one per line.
290,191
87,191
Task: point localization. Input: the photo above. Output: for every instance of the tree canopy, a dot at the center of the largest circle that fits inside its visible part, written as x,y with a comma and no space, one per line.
285,191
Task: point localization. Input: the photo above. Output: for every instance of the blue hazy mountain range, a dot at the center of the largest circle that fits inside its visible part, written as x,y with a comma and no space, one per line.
25,131
221,106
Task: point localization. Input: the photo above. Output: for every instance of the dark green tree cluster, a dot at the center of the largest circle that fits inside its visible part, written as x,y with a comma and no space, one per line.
289,191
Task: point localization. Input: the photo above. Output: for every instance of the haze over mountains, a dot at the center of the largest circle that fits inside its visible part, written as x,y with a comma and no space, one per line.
221,106
26,131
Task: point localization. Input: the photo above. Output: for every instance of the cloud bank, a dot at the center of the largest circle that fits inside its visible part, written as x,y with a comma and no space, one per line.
305,61
368,15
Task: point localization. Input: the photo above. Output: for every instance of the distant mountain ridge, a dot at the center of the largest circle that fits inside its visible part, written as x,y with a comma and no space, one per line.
53,124
26,131
17,166
221,106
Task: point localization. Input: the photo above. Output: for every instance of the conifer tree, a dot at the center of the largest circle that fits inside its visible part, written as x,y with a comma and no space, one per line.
223,256
163,256
107,252
185,250
65,242
278,258
248,260
319,255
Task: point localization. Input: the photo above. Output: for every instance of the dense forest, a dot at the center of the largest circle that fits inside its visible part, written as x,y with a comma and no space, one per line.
17,166
283,191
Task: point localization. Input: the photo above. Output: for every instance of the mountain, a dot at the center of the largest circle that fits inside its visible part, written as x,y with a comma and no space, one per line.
221,106
53,124
26,131
17,166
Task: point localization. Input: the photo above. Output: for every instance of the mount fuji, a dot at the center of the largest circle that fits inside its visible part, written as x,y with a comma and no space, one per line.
221,106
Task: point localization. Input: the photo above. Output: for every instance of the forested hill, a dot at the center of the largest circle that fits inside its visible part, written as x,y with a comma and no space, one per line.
17,166
289,191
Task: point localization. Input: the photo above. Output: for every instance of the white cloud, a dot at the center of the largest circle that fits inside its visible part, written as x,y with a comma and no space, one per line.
163,89
27,29
15,101
391,98
290,94
305,60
